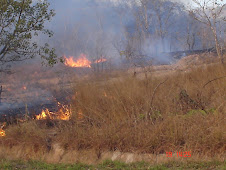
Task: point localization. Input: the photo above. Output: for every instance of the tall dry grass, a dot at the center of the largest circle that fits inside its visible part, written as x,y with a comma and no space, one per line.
181,112
185,111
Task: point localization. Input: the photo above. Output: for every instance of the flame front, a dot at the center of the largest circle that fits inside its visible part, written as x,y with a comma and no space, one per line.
44,115
82,61
2,133
64,113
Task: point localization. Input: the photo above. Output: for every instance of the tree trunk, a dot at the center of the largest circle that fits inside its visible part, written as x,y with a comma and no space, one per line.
219,50
217,44
0,95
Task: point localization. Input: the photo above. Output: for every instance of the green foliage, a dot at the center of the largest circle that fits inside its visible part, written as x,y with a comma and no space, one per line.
141,116
4,164
202,112
212,110
156,114
20,22
199,111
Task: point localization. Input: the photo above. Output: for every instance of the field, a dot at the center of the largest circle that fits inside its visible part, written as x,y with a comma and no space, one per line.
128,117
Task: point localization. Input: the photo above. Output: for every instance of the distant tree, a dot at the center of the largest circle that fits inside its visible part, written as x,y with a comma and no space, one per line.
153,21
20,22
206,39
164,11
144,17
210,13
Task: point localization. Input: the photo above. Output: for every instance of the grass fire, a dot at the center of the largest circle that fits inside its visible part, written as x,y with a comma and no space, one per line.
63,113
82,61
112,84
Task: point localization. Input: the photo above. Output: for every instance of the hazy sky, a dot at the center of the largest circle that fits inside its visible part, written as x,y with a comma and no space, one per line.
184,1
191,2
187,2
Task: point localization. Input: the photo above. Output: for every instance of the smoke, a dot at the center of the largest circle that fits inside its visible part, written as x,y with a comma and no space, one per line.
103,28
84,26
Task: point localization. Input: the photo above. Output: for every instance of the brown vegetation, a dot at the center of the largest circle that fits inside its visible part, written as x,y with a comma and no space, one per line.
181,112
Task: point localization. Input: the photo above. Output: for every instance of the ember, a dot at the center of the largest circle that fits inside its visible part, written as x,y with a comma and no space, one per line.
2,133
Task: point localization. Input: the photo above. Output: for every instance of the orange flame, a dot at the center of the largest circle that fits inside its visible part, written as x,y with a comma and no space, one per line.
44,115
2,133
64,113
82,61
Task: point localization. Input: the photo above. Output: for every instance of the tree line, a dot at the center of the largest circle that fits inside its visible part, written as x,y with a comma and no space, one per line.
147,28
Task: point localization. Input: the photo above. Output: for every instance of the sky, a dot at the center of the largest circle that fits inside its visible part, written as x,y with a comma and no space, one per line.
186,2
190,2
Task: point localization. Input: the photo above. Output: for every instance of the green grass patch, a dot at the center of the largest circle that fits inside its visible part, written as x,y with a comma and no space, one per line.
8,165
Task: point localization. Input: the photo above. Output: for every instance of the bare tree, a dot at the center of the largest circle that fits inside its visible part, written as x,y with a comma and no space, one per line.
206,39
192,29
143,18
210,13
0,94
163,10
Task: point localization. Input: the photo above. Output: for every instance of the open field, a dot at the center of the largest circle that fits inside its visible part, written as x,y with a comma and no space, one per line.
131,119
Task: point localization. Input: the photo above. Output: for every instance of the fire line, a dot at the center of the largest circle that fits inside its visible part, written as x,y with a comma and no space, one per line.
82,61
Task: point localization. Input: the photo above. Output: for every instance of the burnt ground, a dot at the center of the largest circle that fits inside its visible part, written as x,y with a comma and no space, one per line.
30,89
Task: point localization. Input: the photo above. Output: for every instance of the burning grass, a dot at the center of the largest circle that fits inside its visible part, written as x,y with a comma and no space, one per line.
2,133
182,112
64,113
82,61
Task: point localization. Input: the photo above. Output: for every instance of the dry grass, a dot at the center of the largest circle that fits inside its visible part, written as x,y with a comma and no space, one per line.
181,112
